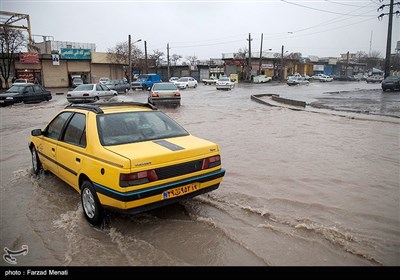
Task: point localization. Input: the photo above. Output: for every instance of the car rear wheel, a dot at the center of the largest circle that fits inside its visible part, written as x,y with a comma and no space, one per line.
36,164
92,208
195,85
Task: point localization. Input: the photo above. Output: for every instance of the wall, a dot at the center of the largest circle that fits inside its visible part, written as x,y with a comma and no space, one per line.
55,75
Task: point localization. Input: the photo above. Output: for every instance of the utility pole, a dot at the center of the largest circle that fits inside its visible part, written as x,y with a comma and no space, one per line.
249,62
389,41
389,34
347,63
260,62
130,58
145,58
169,76
282,64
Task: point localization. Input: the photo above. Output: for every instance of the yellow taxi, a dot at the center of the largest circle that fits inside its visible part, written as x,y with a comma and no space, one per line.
125,156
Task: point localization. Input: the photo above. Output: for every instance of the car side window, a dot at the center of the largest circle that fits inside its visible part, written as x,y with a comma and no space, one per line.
37,88
54,129
75,133
103,88
29,90
99,88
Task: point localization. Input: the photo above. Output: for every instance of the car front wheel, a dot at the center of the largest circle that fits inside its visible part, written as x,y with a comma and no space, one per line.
36,165
92,208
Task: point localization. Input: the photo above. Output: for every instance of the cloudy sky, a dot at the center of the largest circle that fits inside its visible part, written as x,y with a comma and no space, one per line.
206,29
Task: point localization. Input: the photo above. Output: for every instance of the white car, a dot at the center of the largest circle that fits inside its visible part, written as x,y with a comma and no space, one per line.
325,78
173,79
186,82
90,93
261,79
104,80
224,83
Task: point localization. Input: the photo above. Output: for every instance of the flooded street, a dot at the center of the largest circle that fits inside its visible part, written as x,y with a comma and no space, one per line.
300,188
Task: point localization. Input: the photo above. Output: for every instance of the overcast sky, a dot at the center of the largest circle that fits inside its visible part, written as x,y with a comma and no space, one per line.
206,29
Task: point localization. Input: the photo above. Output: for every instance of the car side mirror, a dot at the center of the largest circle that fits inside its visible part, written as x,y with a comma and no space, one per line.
36,132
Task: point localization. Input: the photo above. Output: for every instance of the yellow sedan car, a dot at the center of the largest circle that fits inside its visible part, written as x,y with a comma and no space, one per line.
125,156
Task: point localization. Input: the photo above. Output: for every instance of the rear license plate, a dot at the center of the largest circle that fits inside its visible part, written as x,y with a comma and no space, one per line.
180,191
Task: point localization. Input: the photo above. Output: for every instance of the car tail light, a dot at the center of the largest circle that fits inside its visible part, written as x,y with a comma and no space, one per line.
177,94
154,95
137,178
211,162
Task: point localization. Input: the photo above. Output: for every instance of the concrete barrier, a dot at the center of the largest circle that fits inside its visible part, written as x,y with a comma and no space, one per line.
289,101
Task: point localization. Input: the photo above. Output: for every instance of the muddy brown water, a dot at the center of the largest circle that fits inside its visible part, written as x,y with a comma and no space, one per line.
300,189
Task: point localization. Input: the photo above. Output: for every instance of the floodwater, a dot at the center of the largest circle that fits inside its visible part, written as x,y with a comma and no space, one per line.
300,189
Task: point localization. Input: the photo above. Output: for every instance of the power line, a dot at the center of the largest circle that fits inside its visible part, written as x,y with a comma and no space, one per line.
320,10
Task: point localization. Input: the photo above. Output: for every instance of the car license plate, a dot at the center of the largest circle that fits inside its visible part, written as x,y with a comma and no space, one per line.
180,190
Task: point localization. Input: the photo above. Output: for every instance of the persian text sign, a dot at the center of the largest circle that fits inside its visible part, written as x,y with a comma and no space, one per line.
29,57
75,54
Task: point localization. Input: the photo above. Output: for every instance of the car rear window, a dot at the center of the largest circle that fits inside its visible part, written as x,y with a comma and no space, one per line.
169,86
84,87
131,127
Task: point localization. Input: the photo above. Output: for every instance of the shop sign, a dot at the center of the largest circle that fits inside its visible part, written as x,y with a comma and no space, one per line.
77,54
29,57
56,59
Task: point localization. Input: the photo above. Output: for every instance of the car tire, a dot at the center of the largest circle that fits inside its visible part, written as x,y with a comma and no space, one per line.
92,209
195,85
96,98
36,164
126,90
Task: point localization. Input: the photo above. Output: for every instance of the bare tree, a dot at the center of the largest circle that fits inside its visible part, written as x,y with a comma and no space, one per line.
192,60
375,60
11,41
120,54
158,58
175,58
241,53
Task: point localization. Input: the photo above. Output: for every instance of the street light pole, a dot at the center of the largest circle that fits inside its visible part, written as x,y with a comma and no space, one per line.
130,58
282,64
130,55
260,62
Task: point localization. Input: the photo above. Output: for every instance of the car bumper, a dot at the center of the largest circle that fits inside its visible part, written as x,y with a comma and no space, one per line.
81,99
224,86
168,100
142,200
6,102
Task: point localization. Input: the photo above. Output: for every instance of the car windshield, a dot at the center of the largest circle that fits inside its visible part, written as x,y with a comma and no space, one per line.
20,81
77,80
392,78
183,80
84,87
224,79
16,88
162,86
132,127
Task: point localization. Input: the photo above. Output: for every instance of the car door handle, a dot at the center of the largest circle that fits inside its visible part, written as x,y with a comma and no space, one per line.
78,159
53,149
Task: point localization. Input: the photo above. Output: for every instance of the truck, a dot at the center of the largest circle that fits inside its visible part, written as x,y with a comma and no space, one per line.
145,81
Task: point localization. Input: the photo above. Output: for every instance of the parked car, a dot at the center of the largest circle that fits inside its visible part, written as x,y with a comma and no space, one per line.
146,81
210,81
224,83
261,79
317,76
186,82
374,79
124,156
26,92
76,82
392,83
173,79
120,86
325,78
297,81
164,94
103,80
90,93
20,81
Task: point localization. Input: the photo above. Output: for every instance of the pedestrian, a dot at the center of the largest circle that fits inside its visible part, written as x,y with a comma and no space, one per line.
13,79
